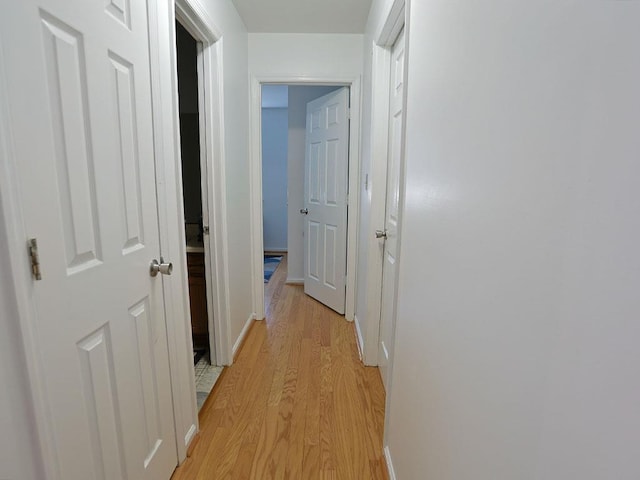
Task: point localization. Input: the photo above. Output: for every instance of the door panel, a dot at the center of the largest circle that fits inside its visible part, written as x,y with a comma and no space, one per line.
98,382
80,104
326,180
390,255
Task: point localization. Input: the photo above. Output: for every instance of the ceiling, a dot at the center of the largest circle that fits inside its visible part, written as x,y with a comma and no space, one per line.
304,16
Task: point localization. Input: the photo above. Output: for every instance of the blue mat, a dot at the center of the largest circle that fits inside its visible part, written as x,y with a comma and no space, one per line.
270,265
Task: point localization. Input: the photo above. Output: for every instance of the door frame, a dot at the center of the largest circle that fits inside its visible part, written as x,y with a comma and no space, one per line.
384,40
255,153
197,22
211,124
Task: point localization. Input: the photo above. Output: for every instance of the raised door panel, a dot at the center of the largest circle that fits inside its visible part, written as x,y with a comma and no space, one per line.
120,10
100,394
125,125
67,82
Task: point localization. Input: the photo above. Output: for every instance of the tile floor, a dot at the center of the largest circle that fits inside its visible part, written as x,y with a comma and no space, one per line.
206,377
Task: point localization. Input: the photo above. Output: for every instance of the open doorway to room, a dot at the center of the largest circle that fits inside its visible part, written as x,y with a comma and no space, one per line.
194,187
305,157
275,134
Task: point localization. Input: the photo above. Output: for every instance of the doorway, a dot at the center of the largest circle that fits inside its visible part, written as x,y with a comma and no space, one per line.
257,240
195,195
275,174
287,211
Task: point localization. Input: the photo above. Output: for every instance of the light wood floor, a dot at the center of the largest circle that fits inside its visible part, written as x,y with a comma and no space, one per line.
297,404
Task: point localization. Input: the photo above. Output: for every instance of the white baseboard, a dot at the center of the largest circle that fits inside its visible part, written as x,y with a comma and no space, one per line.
243,334
295,281
389,462
359,340
188,438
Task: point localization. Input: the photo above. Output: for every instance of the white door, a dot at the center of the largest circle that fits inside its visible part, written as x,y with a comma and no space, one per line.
78,81
326,179
391,226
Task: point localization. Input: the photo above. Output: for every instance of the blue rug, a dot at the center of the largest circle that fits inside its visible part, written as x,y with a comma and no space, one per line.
270,265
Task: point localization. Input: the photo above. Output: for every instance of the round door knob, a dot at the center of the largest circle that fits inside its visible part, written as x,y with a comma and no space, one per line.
381,234
165,268
304,211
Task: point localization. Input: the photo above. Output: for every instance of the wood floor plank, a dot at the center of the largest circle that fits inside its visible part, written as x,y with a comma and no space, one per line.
297,404
295,458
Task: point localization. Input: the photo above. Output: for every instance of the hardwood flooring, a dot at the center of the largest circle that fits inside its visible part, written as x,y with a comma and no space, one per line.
297,403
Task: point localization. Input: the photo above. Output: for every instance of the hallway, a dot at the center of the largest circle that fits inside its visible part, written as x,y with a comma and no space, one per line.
297,403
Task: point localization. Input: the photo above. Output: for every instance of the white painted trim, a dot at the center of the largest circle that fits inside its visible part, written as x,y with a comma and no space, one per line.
243,334
206,190
170,199
23,285
275,250
295,281
191,434
256,233
392,25
359,340
387,458
353,210
257,262
194,19
380,75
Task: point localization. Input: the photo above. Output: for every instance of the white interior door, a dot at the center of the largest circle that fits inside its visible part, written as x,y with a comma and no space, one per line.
325,208
78,81
391,226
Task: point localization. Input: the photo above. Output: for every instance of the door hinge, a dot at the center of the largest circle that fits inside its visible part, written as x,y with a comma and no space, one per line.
32,245
347,200
205,229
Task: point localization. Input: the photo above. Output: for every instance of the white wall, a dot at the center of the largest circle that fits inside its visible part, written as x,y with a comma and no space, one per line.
518,312
236,151
305,55
299,96
274,178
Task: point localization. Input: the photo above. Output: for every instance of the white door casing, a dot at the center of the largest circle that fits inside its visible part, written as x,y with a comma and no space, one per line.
326,183
392,210
78,85
214,355
194,18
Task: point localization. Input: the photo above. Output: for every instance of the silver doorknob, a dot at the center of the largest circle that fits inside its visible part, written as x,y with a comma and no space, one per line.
165,268
381,234
304,211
